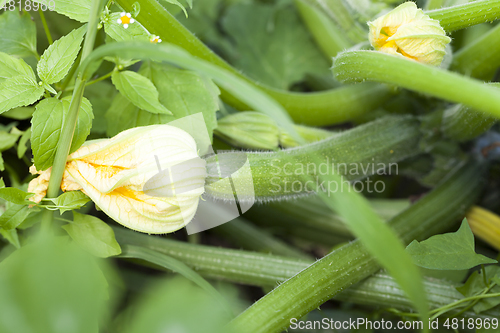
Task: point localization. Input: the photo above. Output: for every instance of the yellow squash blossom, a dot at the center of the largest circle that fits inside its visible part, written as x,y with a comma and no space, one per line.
408,32
149,179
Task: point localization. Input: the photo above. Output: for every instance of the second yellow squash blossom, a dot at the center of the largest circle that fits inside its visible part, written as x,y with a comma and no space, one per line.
116,174
408,32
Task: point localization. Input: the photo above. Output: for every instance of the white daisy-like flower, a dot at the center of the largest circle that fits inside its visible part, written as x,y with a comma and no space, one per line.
125,19
154,39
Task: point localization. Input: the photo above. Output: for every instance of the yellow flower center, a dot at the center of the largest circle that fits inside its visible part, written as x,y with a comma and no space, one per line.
125,19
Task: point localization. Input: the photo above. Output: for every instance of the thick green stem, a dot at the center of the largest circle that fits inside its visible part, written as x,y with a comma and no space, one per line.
460,123
309,216
250,237
379,290
70,122
380,67
330,38
351,263
481,58
372,148
466,15
316,109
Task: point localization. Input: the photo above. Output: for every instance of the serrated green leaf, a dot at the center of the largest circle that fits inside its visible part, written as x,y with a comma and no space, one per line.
11,236
15,195
20,113
93,235
451,251
14,216
7,140
475,285
17,91
139,90
11,66
115,30
272,46
58,58
46,128
70,200
18,35
22,147
181,91
76,10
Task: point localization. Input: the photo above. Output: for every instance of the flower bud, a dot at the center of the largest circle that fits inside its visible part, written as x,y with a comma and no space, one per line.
249,129
126,177
408,32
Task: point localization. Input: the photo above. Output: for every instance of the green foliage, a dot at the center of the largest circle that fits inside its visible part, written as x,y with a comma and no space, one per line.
14,216
173,304
93,235
11,66
481,283
69,201
272,45
180,5
57,60
18,37
50,285
116,31
20,90
15,195
452,251
180,91
139,90
46,128
76,10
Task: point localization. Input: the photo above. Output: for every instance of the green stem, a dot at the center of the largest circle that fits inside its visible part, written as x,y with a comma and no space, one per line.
460,123
45,27
69,125
330,38
481,58
356,153
250,237
101,78
315,109
466,15
379,290
351,263
409,74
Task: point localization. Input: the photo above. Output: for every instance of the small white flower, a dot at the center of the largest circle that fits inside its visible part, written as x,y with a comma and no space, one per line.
125,19
154,39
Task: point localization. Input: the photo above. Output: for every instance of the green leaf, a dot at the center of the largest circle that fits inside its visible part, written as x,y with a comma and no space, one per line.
76,10
15,196
58,58
272,46
11,66
182,92
475,285
451,251
115,30
139,90
46,128
51,286
101,95
17,91
18,35
14,216
70,200
7,140
93,235
171,305
181,6
84,123
22,147
378,239
11,236
20,113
